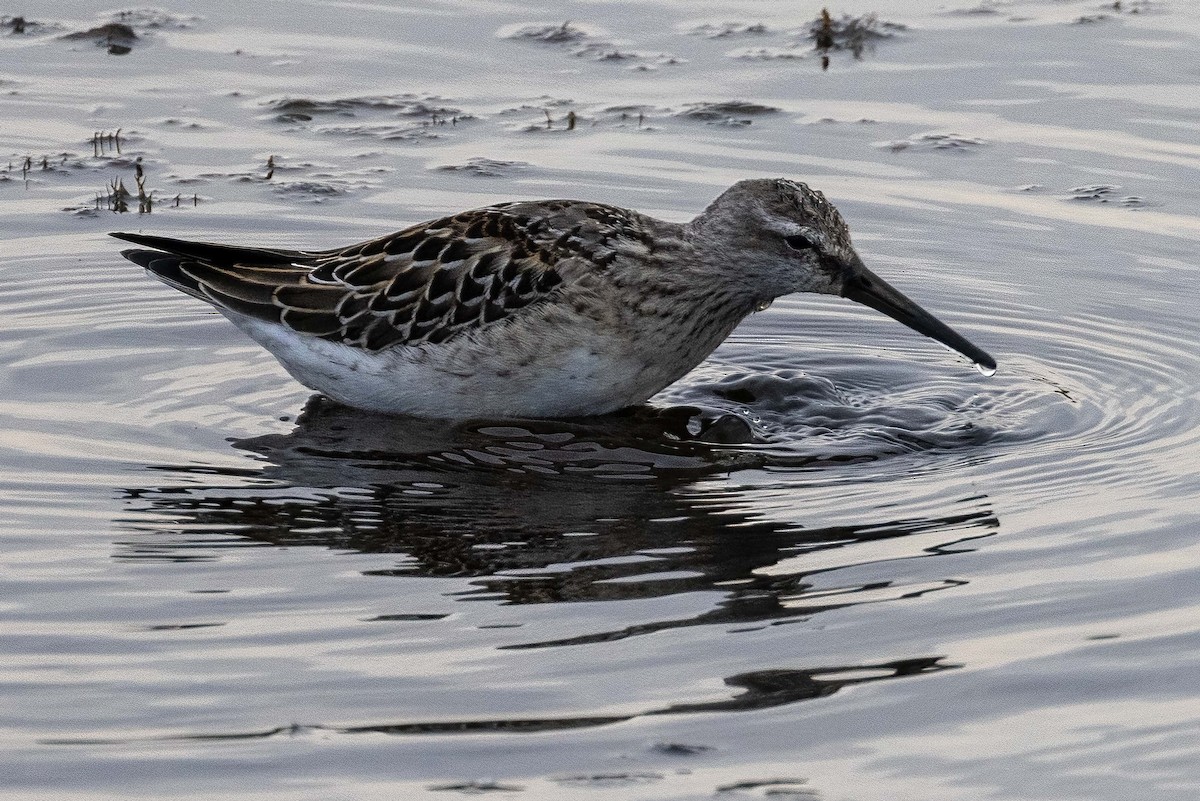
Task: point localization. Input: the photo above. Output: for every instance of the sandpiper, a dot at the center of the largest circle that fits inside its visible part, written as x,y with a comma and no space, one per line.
553,308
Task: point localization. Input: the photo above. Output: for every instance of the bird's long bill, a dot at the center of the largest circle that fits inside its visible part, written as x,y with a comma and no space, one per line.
865,287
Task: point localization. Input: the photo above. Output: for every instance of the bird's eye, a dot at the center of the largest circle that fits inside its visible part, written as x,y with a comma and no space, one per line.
799,242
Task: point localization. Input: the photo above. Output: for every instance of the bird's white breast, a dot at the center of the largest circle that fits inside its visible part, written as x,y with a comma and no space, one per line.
553,378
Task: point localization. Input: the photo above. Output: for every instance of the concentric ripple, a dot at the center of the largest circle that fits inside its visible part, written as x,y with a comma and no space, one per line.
1087,394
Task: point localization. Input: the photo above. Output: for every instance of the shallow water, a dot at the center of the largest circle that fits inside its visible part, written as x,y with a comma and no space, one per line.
834,562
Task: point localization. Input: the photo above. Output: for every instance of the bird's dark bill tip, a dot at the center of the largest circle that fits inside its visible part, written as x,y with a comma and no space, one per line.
987,366
866,288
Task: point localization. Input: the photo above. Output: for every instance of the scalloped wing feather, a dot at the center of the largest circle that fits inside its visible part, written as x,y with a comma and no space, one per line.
424,284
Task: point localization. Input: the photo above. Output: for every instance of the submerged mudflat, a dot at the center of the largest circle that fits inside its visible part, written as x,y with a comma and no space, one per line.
834,562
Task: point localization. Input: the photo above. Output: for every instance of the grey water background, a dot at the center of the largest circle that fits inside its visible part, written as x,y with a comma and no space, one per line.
832,563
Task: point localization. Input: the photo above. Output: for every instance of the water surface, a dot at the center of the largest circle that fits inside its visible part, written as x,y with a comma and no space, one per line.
833,562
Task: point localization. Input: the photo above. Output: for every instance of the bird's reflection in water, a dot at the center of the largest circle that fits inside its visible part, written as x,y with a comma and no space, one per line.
620,508
536,512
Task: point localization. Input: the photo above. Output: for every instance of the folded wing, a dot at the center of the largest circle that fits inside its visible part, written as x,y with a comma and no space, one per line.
424,284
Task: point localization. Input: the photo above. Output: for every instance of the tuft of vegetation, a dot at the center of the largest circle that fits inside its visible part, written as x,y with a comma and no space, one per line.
117,198
853,34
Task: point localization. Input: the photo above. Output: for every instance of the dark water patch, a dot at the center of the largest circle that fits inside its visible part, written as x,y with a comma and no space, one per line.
608,780
727,30
478,787
986,8
156,19
550,123
836,121
784,53
1107,194
775,788
586,42
265,174
1118,8
128,28
177,122
388,132
756,690
539,104
641,60
675,749
748,605
564,116
1103,194
732,112
316,190
301,109
935,141
566,33
118,37
639,116
485,167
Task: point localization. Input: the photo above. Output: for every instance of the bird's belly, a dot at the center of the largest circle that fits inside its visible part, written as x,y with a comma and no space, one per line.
459,379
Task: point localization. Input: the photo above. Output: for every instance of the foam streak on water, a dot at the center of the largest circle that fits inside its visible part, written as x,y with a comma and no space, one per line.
833,562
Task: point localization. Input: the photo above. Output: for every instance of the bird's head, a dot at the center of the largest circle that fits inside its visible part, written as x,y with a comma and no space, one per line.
785,237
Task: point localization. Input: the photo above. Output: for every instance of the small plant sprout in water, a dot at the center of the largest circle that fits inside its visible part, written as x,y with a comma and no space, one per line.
115,198
103,142
31,163
145,200
118,199
572,119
